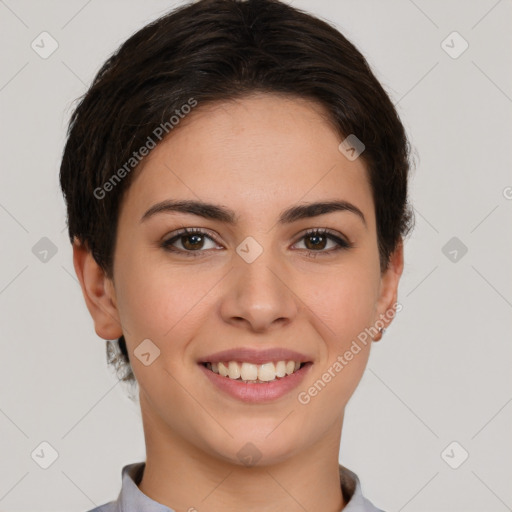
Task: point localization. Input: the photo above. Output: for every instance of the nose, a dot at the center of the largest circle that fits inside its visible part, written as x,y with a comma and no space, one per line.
259,296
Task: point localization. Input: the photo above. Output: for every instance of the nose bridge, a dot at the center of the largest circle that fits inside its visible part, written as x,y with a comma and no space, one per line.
258,290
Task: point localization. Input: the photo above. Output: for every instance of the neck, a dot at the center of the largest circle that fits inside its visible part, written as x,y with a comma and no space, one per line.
184,477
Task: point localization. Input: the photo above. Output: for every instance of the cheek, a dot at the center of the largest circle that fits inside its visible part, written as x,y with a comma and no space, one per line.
345,301
164,306
159,302
346,307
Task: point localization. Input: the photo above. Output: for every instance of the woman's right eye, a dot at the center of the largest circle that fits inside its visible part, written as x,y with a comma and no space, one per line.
191,240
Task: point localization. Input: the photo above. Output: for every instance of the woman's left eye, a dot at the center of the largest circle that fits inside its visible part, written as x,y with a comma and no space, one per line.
318,238
192,242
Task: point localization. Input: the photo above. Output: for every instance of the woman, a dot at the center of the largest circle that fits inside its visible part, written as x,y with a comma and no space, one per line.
236,185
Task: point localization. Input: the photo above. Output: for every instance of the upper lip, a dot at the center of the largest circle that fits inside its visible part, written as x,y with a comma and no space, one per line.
250,355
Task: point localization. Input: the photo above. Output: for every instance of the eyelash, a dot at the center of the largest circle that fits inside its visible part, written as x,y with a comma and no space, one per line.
342,244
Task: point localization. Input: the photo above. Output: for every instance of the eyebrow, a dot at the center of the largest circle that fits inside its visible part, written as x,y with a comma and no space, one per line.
223,214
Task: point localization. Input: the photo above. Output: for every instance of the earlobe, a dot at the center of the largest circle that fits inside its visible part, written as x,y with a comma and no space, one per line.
390,280
98,292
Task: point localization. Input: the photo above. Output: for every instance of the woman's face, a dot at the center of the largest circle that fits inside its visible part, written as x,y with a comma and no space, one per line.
251,283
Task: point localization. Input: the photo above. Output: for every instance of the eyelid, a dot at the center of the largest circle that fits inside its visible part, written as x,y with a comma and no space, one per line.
191,231
336,235
341,241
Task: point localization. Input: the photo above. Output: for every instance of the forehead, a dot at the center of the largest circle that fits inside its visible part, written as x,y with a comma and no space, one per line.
251,153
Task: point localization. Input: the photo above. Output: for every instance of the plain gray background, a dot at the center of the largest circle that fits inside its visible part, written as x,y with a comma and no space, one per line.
440,375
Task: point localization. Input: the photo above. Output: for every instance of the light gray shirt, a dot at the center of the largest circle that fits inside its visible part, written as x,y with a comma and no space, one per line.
132,499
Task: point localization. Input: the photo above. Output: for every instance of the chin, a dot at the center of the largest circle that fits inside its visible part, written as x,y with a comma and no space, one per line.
258,448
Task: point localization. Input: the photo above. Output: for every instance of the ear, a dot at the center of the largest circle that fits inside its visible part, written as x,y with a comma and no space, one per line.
389,288
99,293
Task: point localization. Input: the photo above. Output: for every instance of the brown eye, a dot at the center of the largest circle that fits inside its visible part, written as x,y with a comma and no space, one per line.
189,242
192,242
317,241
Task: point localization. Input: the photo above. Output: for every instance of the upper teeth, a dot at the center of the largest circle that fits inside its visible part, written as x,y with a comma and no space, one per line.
254,372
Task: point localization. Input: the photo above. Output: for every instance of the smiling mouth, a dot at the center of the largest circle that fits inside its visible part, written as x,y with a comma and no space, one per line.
255,373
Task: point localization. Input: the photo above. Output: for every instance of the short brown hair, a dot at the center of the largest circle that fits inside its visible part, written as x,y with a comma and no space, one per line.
212,51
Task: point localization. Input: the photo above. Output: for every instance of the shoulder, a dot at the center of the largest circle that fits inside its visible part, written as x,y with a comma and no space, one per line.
112,506
352,492
130,476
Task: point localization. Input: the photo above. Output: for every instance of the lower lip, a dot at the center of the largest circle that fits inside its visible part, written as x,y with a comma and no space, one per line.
257,392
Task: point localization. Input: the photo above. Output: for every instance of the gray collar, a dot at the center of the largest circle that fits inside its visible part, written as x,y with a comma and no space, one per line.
132,499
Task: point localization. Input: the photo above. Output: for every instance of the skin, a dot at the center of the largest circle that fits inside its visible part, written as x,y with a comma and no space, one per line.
257,156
